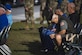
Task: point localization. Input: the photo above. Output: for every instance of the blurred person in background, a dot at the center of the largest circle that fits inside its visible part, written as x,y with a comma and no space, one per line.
29,11
64,6
53,5
77,4
42,7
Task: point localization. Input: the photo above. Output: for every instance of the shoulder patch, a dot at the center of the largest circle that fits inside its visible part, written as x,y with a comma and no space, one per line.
62,23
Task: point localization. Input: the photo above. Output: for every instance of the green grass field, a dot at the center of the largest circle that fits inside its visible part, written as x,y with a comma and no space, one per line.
24,42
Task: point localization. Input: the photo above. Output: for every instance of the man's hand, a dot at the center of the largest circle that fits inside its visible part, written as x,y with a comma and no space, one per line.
26,9
53,30
50,8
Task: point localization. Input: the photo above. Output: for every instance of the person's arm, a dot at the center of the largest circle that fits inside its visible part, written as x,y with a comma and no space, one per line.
63,27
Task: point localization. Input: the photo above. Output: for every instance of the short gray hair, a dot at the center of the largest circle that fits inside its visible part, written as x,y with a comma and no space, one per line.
72,5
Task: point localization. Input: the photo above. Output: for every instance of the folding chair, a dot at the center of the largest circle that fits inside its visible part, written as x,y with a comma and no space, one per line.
76,34
70,45
4,49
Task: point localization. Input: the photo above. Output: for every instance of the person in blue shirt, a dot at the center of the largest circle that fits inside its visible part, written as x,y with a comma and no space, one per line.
70,1
8,13
60,11
3,18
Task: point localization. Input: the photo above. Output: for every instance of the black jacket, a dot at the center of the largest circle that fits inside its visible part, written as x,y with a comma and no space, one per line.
75,18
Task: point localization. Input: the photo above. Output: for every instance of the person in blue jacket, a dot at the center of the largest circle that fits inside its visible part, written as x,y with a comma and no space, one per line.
3,19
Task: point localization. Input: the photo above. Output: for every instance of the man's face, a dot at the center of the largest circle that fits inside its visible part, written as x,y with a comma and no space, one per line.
57,11
69,8
55,19
2,11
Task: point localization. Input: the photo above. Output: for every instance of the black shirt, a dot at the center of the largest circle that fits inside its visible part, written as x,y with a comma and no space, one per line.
74,17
